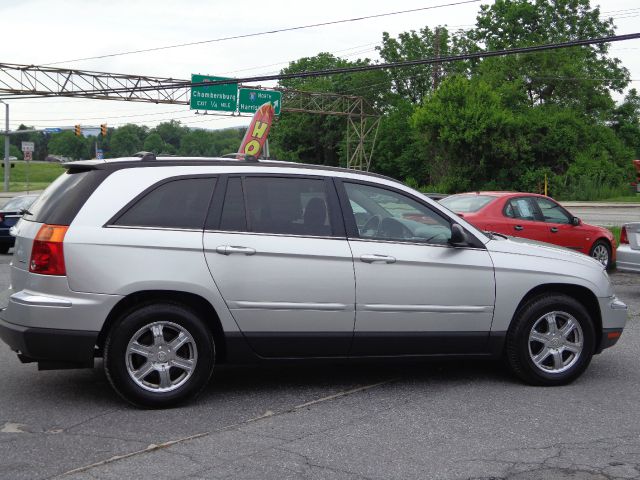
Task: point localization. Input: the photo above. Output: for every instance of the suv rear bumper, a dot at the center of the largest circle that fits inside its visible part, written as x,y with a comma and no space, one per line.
51,348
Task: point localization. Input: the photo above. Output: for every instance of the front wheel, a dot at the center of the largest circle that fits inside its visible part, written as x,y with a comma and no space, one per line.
601,251
159,355
551,341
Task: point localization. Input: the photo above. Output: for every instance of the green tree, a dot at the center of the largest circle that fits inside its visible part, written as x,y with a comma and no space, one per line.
171,133
196,143
127,140
466,135
397,153
316,138
580,78
67,144
626,121
153,143
226,141
414,83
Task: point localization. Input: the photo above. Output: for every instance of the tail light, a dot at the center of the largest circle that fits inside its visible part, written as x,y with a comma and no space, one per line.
47,255
623,236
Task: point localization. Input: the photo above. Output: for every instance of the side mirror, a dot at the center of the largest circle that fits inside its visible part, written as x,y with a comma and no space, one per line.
458,236
575,221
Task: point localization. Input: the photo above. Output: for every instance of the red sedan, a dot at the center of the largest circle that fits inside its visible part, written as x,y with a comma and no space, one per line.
533,216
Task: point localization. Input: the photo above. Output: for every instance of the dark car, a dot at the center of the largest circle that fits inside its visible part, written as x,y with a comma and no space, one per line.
9,216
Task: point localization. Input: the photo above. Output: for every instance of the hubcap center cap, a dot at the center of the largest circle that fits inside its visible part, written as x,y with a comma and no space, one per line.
162,357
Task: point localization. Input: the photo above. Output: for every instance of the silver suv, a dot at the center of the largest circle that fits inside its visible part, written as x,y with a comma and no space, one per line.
167,267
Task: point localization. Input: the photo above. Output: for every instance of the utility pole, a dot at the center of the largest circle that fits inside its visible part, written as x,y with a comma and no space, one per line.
6,149
436,66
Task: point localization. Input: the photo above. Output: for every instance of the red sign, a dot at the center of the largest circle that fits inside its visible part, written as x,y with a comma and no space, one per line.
28,156
257,132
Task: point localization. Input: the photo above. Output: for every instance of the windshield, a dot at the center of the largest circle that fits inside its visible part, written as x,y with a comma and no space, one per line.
466,203
19,203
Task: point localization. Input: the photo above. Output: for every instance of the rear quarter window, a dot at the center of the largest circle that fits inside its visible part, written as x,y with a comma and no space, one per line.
178,203
63,199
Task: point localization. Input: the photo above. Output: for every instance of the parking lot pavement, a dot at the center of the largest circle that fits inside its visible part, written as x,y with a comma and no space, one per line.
441,420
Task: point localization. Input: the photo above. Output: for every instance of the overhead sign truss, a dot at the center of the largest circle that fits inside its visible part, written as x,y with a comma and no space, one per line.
40,81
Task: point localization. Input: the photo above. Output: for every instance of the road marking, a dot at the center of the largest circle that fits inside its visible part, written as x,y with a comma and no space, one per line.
342,394
268,414
13,428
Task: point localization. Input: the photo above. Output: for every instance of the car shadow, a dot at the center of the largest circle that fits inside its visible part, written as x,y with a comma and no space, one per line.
301,381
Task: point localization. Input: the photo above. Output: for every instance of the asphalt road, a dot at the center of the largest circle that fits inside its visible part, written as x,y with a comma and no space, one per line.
445,420
606,215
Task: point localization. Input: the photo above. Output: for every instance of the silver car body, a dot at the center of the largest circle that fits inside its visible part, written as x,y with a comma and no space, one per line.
628,254
293,286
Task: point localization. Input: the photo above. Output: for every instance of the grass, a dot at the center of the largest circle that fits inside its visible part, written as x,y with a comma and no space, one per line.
40,174
626,199
616,233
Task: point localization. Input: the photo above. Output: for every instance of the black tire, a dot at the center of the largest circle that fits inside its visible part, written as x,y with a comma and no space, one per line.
598,248
521,349
119,361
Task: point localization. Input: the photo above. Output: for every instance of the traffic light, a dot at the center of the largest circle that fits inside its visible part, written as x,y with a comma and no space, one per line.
103,129
77,130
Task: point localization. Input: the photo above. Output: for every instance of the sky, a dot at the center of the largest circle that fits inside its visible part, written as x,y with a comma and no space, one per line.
44,32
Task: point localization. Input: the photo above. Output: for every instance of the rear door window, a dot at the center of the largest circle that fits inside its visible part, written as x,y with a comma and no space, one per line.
521,208
177,204
278,205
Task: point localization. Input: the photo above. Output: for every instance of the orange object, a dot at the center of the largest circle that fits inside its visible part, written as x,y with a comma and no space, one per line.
614,334
258,130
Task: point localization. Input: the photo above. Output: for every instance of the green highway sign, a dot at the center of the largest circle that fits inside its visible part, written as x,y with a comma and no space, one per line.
216,97
250,99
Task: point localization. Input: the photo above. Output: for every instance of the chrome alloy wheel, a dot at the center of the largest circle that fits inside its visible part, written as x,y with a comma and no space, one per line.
161,356
601,254
555,342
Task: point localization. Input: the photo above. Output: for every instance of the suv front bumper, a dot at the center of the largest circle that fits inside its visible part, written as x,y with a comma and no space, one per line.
614,318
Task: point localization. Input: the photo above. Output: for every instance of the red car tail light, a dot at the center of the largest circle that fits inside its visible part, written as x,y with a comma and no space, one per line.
47,255
623,236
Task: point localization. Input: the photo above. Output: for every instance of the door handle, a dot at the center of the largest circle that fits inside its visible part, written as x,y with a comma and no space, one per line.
229,249
554,229
370,258
518,227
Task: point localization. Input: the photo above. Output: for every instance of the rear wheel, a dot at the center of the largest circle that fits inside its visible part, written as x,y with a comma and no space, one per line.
601,251
159,355
551,341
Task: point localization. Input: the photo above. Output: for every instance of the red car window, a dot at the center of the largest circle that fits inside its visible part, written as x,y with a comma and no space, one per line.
552,212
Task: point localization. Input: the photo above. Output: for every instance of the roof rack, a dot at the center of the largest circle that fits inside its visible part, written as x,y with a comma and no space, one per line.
146,156
241,156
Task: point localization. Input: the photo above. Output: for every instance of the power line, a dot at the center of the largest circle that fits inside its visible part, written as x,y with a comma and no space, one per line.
381,66
284,62
268,32
96,118
179,84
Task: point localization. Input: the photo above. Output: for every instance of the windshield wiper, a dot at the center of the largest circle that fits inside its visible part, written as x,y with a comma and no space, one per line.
24,210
